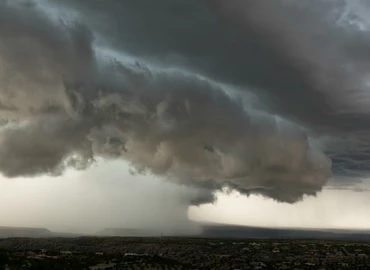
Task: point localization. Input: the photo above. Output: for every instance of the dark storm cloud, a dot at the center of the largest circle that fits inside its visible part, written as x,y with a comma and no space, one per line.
307,60
199,35
233,41
294,52
71,91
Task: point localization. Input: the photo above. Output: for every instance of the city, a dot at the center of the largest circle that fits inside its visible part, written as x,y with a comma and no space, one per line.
181,253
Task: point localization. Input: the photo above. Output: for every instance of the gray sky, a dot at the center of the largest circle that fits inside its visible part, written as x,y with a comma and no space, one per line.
339,209
108,196
267,99
105,196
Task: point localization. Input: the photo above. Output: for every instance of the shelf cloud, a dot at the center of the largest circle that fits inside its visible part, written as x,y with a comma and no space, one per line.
266,97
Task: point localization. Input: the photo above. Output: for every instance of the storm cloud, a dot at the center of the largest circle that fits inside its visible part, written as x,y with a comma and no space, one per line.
262,97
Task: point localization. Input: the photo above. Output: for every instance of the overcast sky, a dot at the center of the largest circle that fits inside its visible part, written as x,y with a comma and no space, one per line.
142,113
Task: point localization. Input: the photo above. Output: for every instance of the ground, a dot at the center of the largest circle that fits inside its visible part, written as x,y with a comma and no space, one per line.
181,253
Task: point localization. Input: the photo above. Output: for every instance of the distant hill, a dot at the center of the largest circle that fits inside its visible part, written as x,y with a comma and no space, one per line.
67,235
6,232
209,230
128,232
235,231
214,230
